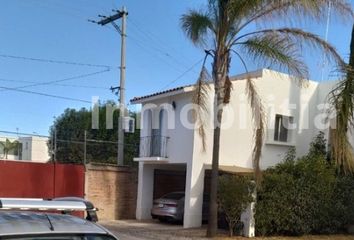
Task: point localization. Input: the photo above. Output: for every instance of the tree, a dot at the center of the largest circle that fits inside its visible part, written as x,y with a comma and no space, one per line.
342,98
9,146
70,129
223,27
305,196
235,194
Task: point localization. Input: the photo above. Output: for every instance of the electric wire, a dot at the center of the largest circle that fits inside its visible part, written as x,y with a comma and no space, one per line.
182,75
2,55
56,81
45,94
54,84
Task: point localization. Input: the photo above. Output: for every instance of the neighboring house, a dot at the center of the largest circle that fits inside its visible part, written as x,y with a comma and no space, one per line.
32,149
170,141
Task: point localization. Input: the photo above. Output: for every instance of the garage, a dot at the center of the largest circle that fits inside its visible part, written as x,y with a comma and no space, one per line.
167,181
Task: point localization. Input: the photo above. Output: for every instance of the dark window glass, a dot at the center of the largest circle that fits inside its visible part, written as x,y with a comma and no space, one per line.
281,131
174,196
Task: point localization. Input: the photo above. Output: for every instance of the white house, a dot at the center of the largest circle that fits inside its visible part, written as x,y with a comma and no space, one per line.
32,149
170,140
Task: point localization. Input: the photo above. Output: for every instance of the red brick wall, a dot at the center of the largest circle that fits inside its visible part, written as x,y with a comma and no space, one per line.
113,190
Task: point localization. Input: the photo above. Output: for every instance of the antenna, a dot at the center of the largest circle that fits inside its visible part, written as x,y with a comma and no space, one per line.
324,60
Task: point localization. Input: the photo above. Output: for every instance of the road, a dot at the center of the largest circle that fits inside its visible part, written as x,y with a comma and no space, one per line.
134,230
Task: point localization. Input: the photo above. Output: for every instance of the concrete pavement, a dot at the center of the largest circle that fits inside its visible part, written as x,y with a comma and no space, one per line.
151,230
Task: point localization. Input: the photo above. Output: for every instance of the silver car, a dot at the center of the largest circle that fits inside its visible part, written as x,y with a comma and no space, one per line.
29,219
170,207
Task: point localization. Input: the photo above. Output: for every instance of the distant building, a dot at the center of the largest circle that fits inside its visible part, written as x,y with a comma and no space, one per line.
33,149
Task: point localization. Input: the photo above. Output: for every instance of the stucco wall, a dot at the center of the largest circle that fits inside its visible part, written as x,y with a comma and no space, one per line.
173,129
280,94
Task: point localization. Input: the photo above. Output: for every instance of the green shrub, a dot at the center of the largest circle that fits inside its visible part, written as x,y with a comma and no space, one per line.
235,194
304,196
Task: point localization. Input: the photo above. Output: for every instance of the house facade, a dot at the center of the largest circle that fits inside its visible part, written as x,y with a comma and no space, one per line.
33,149
170,138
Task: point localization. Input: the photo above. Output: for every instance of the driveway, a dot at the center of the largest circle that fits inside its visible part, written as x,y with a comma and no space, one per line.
151,230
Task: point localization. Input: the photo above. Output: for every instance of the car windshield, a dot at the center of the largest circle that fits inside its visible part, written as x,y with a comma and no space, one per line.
174,196
62,237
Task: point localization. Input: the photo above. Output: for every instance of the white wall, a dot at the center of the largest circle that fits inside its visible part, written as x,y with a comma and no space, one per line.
33,148
179,137
280,93
39,149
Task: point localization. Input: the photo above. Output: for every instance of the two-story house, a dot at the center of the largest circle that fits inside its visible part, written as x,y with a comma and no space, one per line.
170,141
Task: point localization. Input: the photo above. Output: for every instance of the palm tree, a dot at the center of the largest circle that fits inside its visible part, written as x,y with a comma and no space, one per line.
342,99
9,146
223,27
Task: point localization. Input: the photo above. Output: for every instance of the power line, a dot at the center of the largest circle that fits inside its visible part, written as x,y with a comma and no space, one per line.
57,81
76,141
45,94
55,61
55,84
23,134
159,42
182,75
147,49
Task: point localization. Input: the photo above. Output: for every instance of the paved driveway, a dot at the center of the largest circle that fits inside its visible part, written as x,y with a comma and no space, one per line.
134,230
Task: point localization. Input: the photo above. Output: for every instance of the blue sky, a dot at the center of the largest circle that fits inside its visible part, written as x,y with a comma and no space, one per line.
157,54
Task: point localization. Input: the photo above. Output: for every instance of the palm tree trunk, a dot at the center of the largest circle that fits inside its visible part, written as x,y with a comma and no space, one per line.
220,72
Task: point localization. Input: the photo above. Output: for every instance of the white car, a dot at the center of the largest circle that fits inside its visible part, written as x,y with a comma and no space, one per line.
33,219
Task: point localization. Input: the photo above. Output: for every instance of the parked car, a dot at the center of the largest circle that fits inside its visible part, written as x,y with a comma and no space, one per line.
29,219
170,207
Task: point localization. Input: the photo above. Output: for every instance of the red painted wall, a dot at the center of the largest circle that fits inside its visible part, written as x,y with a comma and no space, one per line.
40,180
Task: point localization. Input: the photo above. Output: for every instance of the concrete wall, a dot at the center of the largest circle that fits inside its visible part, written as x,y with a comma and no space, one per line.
112,190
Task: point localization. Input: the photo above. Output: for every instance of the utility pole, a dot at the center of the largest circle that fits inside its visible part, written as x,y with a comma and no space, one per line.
55,144
85,149
120,14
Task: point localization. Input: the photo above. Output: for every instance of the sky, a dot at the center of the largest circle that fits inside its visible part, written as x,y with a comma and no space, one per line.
159,56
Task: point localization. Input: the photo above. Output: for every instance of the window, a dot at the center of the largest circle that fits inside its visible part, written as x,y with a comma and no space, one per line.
281,129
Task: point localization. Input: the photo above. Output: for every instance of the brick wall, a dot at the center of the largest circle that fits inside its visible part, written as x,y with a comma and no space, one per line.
113,190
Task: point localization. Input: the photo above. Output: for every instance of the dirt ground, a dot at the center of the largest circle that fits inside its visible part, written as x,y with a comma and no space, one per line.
151,230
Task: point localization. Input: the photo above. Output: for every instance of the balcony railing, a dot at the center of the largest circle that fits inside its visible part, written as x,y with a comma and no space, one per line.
153,146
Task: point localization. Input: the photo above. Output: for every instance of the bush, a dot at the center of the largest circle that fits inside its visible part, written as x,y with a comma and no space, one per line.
235,194
304,196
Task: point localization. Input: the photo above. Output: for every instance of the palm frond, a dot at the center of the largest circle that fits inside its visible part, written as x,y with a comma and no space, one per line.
196,25
342,100
200,100
291,10
297,39
259,119
273,49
